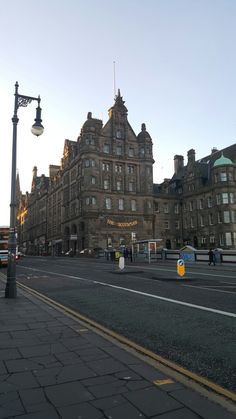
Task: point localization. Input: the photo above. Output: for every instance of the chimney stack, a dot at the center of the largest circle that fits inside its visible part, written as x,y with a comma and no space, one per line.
178,163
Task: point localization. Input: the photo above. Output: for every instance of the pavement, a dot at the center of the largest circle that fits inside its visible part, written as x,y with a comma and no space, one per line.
53,366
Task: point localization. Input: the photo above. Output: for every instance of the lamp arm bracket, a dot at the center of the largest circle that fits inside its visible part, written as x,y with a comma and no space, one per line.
25,100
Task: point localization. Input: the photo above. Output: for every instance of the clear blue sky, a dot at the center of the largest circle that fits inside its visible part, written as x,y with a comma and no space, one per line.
175,67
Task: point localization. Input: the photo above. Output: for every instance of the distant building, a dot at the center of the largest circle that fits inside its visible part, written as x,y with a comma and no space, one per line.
102,194
197,205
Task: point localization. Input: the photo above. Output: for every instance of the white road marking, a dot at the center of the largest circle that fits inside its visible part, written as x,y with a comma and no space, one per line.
206,287
158,297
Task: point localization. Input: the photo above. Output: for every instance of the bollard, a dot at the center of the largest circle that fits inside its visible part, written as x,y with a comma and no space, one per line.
180,267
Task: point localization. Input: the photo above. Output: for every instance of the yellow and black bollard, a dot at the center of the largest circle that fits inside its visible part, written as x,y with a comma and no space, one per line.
180,267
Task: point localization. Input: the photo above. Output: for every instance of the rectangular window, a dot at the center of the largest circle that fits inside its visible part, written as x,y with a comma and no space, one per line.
191,206
225,198
119,150
231,197
219,216
108,203
118,168
230,176
228,239
130,169
166,208
212,239
203,240
221,237
121,204
226,217
218,199
234,237
209,202
210,217
131,186
131,152
223,176
176,208
87,200
93,200
106,184
233,216
106,148
133,205
192,222
201,204
166,225
106,167
118,185
93,180
201,221
177,225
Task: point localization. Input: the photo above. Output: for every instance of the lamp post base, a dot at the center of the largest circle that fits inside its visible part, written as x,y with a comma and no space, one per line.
10,290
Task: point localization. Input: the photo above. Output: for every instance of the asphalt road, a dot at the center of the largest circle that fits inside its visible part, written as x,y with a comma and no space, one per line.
190,320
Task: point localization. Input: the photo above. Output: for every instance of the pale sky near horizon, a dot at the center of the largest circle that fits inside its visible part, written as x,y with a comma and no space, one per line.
175,67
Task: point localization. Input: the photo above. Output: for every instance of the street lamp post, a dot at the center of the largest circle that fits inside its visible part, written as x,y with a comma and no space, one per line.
37,129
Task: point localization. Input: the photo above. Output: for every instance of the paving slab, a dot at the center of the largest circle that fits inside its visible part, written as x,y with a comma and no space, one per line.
152,401
126,410
52,367
67,394
200,405
10,405
17,381
81,411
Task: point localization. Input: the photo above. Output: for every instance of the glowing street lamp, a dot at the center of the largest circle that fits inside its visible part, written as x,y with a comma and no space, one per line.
37,129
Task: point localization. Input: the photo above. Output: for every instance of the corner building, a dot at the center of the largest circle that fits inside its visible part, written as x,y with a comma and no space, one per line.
102,193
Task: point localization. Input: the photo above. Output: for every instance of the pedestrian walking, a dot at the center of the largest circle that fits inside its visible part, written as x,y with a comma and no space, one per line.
211,257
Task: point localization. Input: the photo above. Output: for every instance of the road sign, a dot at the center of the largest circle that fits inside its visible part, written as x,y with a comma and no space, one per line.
180,267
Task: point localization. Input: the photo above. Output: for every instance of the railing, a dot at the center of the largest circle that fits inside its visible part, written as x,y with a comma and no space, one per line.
223,256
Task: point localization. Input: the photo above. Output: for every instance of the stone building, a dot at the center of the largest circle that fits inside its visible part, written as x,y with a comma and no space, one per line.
197,205
102,194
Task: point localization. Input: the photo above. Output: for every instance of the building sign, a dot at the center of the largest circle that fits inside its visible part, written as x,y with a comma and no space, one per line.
123,224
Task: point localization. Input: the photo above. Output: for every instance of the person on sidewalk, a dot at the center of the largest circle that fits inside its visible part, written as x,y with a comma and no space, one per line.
211,257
